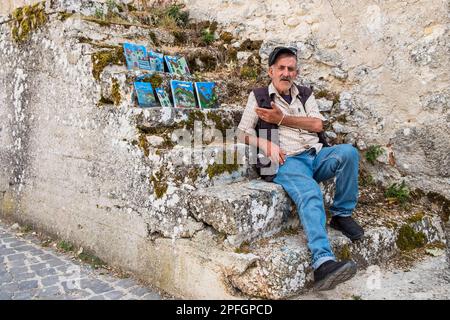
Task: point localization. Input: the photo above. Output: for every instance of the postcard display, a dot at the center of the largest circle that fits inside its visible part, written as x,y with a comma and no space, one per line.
184,94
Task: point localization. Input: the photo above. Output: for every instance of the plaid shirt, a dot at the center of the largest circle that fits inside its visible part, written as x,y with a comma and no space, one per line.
292,141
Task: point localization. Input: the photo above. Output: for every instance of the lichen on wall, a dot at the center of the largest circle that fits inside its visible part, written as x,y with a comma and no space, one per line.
26,19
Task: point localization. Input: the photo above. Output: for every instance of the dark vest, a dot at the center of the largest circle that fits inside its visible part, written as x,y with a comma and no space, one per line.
265,168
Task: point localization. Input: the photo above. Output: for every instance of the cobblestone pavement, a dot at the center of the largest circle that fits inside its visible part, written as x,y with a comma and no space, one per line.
29,271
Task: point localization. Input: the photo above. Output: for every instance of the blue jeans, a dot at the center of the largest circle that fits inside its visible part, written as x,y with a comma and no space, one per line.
300,175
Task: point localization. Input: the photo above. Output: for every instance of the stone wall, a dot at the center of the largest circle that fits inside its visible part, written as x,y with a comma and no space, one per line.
388,61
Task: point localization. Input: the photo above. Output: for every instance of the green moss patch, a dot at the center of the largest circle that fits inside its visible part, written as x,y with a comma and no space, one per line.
327,95
249,45
65,246
63,16
408,239
143,144
248,72
344,253
26,19
159,184
243,248
155,79
104,58
226,37
193,174
416,217
216,169
92,259
115,92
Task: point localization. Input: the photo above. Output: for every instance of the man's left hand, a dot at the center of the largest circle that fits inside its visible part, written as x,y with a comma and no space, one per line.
273,115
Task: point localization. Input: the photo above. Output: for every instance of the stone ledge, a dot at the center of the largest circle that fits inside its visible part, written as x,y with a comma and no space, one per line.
205,165
283,268
245,210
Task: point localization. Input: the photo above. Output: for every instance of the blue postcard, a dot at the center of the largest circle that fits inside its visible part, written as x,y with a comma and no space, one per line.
136,56
177,65
163,97
207,95
156,61
183,94
144,93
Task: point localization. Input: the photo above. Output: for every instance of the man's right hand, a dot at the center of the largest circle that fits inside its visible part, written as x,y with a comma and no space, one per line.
274,152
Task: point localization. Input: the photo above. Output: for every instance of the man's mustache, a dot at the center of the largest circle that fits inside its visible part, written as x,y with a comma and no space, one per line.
286,78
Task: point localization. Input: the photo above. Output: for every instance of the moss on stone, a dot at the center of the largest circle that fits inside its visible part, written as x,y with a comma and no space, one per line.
143,144
194,115
231,54
243,248
115,92
103,58
26,19
159,184
92,259
408,239
153,37
180,37
327,95
8,204
164,132
248,72
219,122
193,174
226,37
436,245
17,14
155,79
250,45
344,253
216,169
416,217
63,16
103,101
65,246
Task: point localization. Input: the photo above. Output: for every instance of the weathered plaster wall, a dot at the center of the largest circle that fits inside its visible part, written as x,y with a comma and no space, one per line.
387,60
74,167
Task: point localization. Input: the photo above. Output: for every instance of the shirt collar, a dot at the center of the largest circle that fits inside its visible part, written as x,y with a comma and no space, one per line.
294,90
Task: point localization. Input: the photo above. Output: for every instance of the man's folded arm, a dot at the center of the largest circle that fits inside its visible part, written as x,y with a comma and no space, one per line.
311,124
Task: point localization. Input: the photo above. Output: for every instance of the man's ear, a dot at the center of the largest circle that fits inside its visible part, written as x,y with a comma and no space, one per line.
270,72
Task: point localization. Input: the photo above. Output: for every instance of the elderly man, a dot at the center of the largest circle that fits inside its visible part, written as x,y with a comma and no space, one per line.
291,119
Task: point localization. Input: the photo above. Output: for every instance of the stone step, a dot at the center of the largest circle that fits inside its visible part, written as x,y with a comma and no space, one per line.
157,120
244,211
247,210
279,267
283,268
159,130
202,166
